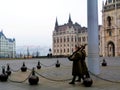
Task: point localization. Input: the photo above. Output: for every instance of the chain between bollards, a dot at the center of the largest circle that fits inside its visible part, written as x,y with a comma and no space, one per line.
53,79
103,78
20,81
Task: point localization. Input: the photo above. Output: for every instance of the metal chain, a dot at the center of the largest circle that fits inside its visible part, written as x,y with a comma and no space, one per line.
15,70
103,78
49,65
20,81
53,79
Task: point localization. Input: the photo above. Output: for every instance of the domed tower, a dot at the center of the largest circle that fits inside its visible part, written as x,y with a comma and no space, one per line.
111,28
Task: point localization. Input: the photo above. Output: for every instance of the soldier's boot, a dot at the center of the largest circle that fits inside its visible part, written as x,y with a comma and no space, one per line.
79,79
73,80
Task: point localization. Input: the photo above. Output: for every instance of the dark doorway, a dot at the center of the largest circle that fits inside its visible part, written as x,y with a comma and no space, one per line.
111,49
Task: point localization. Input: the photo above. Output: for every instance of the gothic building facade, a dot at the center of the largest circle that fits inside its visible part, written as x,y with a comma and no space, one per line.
110,33
66,36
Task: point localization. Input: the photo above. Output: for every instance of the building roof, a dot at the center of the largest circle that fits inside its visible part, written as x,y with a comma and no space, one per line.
9,39
69,24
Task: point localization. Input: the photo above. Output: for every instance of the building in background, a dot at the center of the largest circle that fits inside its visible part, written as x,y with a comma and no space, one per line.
110,33
7,47
66,36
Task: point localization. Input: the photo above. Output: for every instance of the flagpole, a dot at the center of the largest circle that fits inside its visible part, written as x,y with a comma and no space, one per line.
93,49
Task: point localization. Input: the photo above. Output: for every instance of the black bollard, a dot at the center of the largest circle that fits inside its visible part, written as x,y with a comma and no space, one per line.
38,66
23,68
33,79
8,70
88,82
3,76
57,64
104,63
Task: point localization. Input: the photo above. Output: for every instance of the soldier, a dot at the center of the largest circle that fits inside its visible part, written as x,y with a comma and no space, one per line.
76,69
84,69
83,63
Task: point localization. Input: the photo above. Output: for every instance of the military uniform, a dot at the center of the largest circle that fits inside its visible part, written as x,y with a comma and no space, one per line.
83,64
77,66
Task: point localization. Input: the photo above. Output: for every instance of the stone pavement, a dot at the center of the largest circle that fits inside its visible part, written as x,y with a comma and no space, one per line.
50,79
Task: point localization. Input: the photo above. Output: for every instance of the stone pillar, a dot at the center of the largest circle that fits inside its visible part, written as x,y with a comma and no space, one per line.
116,31
93,48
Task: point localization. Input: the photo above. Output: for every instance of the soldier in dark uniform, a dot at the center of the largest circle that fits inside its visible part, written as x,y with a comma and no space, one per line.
77,67
85,72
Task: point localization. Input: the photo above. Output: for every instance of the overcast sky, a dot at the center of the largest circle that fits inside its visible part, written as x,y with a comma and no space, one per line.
31,22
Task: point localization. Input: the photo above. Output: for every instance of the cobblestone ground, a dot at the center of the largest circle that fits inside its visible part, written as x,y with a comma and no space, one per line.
52,78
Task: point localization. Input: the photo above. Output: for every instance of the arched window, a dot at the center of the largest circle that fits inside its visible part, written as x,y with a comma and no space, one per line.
61,40
72,39
57,40
109,20
64,39
67,39
79,39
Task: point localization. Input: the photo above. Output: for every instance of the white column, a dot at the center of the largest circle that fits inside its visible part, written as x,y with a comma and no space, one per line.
93,48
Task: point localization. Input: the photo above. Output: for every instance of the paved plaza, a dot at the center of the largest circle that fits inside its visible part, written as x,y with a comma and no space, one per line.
52,78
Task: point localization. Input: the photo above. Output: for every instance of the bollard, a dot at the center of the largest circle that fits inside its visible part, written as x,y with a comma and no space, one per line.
104,63
23,68
3,76
33,79
88,82
38,66
8,70
57,64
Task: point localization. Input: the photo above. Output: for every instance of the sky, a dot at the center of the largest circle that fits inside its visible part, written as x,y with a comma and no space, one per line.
31,22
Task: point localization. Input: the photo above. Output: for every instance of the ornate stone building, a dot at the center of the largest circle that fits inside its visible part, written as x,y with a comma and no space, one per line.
110,33
66,36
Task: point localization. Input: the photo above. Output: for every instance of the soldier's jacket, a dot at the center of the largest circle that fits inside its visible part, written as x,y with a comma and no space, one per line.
79,66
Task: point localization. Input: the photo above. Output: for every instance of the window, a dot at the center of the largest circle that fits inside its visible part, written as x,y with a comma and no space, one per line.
64,39
57,40
110,33
75,39
83,39
67,39
68,50
109,20
79,39
72,39
109,1
60,40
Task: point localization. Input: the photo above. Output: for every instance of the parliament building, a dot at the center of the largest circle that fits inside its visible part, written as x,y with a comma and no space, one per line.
66,36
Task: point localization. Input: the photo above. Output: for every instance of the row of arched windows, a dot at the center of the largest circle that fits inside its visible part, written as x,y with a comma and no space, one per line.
68,39
61,51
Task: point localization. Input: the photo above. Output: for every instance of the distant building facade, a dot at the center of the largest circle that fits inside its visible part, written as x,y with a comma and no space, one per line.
110,33
7,47
66,36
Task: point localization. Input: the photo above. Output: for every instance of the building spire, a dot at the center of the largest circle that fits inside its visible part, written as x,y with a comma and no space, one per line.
69,21
56,24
